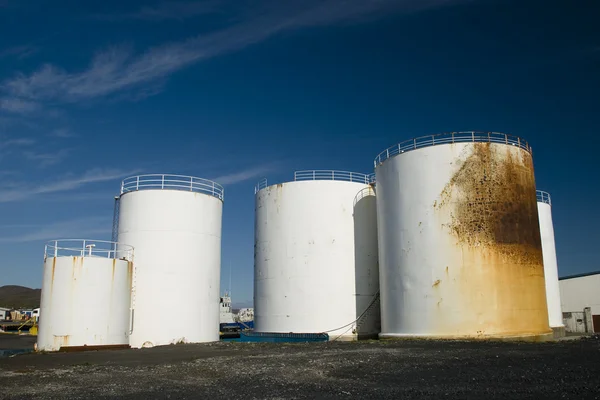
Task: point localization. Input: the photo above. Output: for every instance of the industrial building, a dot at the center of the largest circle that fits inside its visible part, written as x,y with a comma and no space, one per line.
580,302
174,224
460,252
316,256
86,291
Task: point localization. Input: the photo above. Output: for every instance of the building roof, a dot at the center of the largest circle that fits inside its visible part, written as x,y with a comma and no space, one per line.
579,275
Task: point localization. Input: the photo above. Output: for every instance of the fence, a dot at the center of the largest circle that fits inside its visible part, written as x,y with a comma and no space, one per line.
172,182
451,137
88,248
347,176
543,197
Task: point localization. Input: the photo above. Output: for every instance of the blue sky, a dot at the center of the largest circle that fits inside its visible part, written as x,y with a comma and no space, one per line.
92,92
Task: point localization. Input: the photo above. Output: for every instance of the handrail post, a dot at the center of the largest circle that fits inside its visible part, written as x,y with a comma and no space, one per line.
137,182
414,143
56,248
191,184
432,140
452,137
162,183
505,138
314,175
519,141
473,136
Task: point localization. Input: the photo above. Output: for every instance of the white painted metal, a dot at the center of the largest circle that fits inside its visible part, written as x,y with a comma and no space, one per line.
580,291
316,256
85,294
175,228
432,284
550,262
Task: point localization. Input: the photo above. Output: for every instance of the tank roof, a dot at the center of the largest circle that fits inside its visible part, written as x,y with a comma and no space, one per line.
172,182
88,248
324,175
448,138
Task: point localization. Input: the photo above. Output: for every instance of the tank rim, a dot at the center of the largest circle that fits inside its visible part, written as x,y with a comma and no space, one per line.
172,182
449,138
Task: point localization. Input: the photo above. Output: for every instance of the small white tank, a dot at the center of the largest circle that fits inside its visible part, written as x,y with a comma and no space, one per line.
174,223
85,294
316,256
544,205
459,242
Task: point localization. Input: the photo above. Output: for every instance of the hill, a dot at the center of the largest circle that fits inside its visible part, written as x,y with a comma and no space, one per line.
13,296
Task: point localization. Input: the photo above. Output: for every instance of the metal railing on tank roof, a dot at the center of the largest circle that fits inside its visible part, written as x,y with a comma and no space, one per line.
88,248
451,137
322,175
543,197
260,185
365,192
172,182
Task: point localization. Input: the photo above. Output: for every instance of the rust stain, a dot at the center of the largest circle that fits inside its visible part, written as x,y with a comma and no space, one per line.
489,207
437,282
114,265
493,200
53,270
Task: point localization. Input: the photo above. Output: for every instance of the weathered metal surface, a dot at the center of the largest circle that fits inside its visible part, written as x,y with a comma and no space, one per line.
550,266
459,241
177,239
85,302
316,266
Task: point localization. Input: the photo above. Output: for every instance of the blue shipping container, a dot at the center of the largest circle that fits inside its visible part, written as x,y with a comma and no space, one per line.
272,337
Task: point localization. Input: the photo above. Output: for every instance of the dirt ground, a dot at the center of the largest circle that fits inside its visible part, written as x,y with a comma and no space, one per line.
411,369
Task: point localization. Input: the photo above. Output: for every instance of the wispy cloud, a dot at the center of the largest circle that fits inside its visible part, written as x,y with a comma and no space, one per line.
18,105
119,68
243,175
176,10
82,227
62,133
6,143
47,159
19,52
62,185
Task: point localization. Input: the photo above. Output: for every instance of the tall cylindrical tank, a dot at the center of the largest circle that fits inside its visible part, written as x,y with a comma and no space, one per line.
544,205
86,293
316,267
459,241
174,223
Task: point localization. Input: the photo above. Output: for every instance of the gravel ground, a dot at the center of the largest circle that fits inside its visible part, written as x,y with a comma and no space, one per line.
373,370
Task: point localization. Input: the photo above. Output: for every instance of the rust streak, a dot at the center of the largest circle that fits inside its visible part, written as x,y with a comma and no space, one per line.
494,203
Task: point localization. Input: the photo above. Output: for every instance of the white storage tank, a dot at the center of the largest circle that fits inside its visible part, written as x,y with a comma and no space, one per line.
86,297
316,267
544,204
174,223
459,240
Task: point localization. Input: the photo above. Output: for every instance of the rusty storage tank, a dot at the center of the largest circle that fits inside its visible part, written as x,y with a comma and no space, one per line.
174,223
544,204
86,295
460,253
315,262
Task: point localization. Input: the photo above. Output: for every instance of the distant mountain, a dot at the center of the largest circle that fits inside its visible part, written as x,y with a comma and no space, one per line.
13,296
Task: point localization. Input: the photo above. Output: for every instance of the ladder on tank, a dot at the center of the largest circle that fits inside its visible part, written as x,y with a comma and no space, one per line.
115,224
